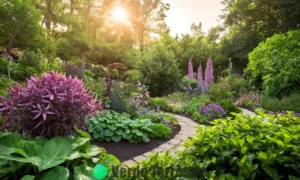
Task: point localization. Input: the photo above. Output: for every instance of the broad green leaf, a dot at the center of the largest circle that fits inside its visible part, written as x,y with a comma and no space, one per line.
271,172
108,132
293,178
145,138
40,140
9,143
56,173
34,160
262,156
54,152
119,132
214,160
93,150
82,133
74,155
79,142
109,161
28,177
83,173
116,138
127,136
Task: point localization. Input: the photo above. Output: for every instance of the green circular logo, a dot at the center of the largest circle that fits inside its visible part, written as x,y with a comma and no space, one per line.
100,171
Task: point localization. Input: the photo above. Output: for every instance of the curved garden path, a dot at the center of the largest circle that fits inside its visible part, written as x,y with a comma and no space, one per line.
188,129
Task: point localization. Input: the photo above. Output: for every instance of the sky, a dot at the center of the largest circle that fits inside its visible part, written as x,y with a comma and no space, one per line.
183,13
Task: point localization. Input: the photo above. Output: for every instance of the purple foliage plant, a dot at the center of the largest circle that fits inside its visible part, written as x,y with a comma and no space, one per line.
190,70
52,105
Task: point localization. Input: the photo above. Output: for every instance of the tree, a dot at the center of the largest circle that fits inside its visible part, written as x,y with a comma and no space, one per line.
19,23
160,70
146,18
276,63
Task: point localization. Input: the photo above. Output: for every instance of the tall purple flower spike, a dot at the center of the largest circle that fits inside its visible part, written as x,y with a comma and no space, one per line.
190,70
209,73
200,77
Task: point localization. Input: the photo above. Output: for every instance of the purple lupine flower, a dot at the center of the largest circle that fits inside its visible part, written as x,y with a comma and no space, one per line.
209,73
200,77
190,70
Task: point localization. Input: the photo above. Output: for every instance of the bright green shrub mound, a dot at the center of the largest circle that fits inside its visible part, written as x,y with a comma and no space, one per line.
276,63
261,147
160,131
56,158
113,126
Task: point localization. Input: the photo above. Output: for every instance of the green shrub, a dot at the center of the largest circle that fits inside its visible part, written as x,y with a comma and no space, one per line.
58,158
169,118
219,91
112,126
161,103
160,131
160,70
260,147
133,76
31,59
187,82
275,63
194,104
229,106
4,85
155,117
290,103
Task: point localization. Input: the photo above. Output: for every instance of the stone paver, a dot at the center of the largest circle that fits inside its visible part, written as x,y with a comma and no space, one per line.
247,112
140,158
129,163
188,129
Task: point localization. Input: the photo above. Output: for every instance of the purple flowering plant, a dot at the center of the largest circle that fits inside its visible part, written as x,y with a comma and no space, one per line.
251,100
211,111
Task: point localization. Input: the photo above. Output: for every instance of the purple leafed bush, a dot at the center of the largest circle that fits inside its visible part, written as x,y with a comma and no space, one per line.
211,111
49,106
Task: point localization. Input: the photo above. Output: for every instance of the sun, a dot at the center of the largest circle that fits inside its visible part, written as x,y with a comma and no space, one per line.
119,13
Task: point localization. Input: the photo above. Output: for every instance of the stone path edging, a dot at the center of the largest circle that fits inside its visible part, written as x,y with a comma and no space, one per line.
188,129
247,112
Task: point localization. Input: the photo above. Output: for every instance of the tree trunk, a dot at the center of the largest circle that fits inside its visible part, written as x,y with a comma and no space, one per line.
10,44
82,65
71,6
48,15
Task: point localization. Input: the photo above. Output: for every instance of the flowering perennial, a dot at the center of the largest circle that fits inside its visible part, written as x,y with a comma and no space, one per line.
209,73
212,111
249,100
200,77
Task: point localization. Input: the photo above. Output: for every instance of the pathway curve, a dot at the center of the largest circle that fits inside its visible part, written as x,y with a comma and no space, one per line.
247,112
188,129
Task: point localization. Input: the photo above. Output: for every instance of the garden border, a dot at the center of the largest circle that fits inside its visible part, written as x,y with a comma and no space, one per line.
188,129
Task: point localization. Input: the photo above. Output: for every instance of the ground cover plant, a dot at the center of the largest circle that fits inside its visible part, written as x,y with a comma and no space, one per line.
260,147
160,130
113,126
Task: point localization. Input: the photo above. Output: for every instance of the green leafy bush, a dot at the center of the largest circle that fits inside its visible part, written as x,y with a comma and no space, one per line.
290,103
160,103
160,131
187,82
275,63
169,118
32,59
155,117
229,106
260,147
160,70
112,126
56,158
193,105
4,85
219,91
18,72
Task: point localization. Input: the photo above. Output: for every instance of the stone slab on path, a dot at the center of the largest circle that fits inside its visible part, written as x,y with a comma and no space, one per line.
247,112
188,129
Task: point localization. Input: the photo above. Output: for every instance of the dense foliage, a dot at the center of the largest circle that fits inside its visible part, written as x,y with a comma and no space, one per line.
275,62
48,106
290,103
160,131
160,70
112,126
261,147
45,159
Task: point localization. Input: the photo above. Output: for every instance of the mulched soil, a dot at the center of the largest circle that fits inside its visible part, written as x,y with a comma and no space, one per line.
125,150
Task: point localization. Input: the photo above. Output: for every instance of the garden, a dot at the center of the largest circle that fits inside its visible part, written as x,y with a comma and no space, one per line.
82,91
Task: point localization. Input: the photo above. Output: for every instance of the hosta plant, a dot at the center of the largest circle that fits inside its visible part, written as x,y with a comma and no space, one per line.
48,106
112,126
45,159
